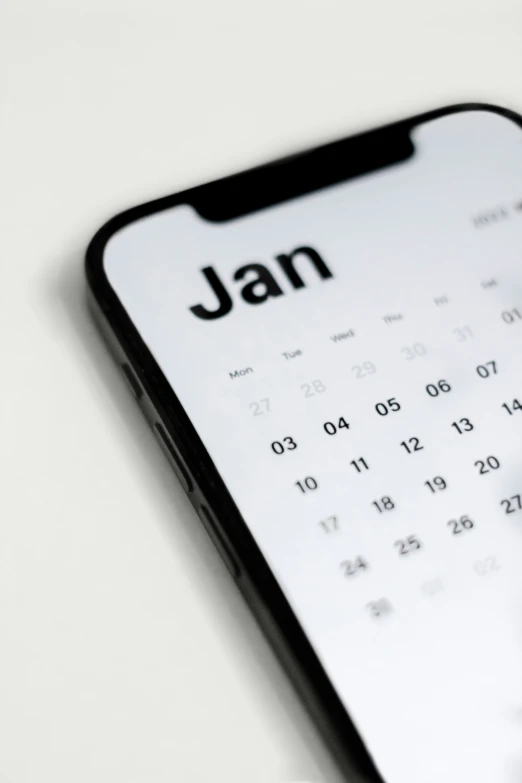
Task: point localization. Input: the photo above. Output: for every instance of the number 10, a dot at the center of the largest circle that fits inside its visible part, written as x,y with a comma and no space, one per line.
308,483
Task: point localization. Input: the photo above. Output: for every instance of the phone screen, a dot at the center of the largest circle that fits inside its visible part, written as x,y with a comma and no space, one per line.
352,361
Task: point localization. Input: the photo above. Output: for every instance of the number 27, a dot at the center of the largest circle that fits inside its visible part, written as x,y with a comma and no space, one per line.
512,504
260,407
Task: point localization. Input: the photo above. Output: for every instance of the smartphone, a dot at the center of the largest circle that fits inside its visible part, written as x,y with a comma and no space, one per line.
329,350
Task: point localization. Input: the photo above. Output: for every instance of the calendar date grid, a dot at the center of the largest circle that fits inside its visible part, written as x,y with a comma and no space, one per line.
458,525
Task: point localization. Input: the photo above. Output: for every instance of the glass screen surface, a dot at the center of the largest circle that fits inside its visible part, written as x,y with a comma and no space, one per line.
352,360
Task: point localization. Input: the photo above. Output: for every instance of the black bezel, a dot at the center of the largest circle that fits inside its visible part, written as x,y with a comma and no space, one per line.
222,200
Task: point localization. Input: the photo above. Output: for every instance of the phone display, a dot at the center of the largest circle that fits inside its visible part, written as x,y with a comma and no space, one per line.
351,359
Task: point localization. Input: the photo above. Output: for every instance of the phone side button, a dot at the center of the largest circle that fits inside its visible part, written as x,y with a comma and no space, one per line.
214,533
172,456
132,380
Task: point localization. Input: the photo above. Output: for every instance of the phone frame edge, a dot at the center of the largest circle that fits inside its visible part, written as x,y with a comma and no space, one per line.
257,583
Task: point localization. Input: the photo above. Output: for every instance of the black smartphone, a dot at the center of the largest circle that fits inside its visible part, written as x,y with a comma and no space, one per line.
327,348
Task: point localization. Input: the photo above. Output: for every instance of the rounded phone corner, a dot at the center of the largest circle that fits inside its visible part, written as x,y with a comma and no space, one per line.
95,253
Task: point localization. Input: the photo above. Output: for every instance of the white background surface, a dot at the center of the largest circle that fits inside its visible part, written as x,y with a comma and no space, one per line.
126,654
